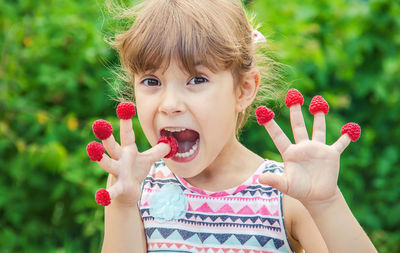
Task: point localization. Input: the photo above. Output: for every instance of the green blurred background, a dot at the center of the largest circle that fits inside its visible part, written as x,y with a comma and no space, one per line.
54,74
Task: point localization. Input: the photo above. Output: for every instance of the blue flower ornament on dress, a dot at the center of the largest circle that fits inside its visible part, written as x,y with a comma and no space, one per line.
170,203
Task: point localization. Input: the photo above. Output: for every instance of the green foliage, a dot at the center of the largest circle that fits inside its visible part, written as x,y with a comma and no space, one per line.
54,64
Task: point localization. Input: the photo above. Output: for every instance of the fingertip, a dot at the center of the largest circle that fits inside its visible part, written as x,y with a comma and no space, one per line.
102,129
172,143
174,146
126,110
95,151
260,179
102,197
293,97
318,104
353,130
264,115
266,179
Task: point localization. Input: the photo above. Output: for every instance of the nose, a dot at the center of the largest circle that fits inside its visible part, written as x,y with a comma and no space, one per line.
171,103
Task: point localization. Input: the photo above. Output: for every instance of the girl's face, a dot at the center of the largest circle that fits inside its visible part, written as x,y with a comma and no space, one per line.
199,111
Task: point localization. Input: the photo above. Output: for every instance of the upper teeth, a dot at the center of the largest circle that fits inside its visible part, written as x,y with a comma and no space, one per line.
174,129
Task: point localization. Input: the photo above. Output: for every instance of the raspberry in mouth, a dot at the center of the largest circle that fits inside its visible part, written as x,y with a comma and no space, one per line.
188,142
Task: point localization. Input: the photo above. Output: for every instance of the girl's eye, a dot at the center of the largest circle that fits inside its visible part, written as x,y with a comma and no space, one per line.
151,82
198,80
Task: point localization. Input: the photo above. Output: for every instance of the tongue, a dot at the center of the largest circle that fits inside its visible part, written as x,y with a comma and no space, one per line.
186,139
185,146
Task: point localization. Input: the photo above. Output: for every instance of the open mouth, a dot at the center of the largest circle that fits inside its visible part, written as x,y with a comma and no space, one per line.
188,142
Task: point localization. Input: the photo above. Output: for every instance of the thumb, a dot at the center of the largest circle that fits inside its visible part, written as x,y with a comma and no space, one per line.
157,152
274,180
103,197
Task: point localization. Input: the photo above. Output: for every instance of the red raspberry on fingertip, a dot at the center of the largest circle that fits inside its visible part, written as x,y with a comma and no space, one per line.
172,142
95,151
318,104
293,97
126,110
102,129
103,197
264,115
353,130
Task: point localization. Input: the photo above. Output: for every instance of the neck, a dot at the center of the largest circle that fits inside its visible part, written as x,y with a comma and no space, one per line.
232,166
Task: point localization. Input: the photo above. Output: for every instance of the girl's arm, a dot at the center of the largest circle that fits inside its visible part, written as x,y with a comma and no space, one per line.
338,226
300,227
311,169
124,230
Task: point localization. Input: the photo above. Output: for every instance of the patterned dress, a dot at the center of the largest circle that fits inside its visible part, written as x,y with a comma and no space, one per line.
179,217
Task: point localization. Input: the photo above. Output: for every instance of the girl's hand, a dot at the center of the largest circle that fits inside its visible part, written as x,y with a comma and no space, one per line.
127,166
311,167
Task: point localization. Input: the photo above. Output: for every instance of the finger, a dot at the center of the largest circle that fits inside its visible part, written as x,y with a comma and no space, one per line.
103,197
173,144
109,165
353,130
157,152
297,123
350,132
276,181
103,131
279,138
319,127
112,147
126,132
115,190
265,117
125,111
95,151
294,100
319,107
341,144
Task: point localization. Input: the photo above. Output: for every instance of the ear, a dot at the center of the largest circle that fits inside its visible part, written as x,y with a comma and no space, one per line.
247,89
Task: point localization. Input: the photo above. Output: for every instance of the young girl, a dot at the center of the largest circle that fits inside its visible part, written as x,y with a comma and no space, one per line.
193,68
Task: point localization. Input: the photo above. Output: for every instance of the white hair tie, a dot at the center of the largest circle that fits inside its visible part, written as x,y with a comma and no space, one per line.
258,37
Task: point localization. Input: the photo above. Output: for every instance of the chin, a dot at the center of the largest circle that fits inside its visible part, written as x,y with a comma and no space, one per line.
184,170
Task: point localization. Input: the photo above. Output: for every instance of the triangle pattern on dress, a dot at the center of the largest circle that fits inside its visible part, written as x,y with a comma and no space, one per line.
242,238
203,236
149,232
165,232
222,237
262,239
278,243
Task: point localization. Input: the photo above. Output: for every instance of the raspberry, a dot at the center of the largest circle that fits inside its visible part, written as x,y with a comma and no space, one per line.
126,110
102,129
318,104
293,97
264,115
103,197
95,151
353,130
173,144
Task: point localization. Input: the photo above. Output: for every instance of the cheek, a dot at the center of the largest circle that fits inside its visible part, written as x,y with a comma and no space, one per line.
146,115
219,118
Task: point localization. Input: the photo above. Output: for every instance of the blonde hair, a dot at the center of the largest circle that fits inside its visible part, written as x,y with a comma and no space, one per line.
214,33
